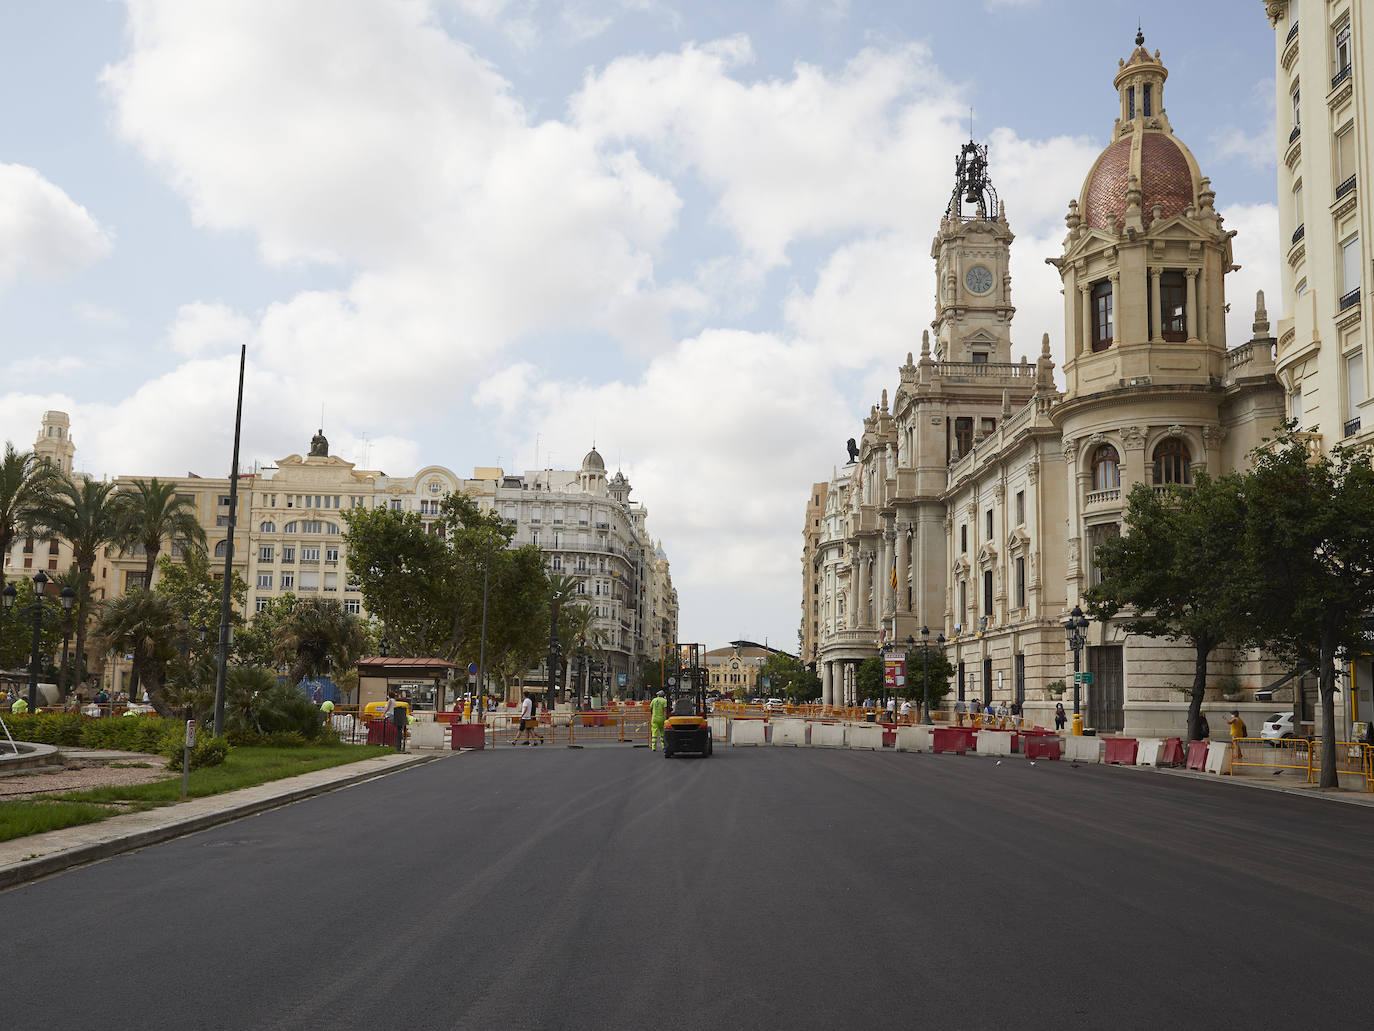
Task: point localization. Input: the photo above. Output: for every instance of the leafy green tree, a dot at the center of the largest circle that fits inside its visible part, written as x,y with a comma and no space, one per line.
86,514
16,631
1309,531
152,512
408,579
933,668
28,489
256,643
1180,571
789,677
190,587
256,702
868,678
144,625
319,636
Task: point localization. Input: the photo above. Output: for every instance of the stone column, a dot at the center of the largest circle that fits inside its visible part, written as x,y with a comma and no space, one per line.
852,617
865,588
1157,333
827,685
1116,308
885,575
903,568
1084,343
1192,306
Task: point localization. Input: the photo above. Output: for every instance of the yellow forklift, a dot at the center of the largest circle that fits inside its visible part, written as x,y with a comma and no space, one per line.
687,731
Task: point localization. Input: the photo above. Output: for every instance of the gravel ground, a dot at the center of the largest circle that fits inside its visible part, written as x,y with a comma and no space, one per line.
80,775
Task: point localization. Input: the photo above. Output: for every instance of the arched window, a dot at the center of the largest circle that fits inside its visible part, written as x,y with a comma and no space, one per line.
1106,468
1173,462
1173,306
289,528
221,549
1102,315
268,527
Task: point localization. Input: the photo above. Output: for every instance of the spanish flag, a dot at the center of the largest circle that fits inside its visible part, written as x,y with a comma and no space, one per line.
893,578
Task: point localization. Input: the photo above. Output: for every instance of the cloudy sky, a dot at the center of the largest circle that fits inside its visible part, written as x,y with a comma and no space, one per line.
482,231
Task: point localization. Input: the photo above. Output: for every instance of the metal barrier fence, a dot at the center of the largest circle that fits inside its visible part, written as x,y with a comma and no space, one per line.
629,725
1352,757
1294,753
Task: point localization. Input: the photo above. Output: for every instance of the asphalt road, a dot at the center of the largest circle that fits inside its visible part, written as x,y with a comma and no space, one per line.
609,888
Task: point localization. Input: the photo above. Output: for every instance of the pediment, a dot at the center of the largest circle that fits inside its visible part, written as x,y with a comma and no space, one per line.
1018,538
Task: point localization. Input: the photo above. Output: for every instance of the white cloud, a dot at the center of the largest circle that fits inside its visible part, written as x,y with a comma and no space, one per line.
44,234
1255,249
200,327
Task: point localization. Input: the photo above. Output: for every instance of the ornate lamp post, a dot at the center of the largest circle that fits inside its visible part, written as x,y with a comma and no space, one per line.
40,585
925,672
1076,627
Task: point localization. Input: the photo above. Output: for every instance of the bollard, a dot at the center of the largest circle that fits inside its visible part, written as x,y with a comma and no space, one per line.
186,756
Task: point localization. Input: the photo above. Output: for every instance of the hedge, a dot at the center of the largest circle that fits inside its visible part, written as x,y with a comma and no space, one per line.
124,734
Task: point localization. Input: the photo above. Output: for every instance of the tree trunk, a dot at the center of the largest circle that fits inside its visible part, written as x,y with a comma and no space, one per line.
83,598
1326,687
150,565
1203,649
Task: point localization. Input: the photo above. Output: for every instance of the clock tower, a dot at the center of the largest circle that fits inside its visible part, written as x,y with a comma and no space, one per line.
973,308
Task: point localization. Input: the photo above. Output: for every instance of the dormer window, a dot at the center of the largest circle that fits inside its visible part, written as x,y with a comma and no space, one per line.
980,358
1173,306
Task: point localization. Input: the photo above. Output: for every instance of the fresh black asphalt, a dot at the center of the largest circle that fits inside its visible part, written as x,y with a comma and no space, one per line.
774,888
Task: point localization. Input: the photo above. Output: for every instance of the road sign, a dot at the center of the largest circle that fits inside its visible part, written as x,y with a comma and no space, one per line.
472,669
672,681
1083,678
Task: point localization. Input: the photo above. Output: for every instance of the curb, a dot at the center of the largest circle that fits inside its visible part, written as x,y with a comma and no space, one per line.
43,866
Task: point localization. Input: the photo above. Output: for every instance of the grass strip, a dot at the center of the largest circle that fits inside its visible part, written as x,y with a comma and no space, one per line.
244,767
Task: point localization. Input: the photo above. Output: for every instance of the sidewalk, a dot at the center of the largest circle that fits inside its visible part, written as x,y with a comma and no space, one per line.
38,855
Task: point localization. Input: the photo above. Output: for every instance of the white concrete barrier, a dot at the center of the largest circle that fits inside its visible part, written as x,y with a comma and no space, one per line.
827,735
994,742
428,734
914,739
1083,749
1149,751
720,727
747,732
789,732
1219,757
864,736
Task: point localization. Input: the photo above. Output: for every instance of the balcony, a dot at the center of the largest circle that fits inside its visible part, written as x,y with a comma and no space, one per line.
1350,300
1299,233
1352,426
1297,131
1340,76
1293,31
1104,497
1345,187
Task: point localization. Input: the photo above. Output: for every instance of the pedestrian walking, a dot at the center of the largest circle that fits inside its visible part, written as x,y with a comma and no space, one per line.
906,710
397,716
892,709
1238,730
1061,718
528,721
658,715
960,711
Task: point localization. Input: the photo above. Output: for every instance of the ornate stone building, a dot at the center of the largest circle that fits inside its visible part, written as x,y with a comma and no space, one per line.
977,500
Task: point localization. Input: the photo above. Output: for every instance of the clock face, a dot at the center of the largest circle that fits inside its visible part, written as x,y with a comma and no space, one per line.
978,279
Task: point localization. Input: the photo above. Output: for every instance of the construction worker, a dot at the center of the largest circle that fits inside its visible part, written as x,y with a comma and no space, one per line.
658,713
21,706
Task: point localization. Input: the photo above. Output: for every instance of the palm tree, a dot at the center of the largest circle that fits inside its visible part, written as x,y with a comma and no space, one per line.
27,486
143,624
153,512
87,515
317,636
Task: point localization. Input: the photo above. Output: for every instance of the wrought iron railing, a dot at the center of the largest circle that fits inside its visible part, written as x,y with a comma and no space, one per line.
1351,299
1291,33
1297,131
1299,233
1352,426
1345,187
1340,76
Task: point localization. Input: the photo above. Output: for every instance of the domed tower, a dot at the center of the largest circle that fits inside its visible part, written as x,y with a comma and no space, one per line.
593,474
54,443
1145,256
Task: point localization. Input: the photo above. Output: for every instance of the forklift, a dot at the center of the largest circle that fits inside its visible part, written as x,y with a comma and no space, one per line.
687,731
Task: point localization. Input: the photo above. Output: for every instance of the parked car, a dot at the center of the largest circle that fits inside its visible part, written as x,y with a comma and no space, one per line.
1278,727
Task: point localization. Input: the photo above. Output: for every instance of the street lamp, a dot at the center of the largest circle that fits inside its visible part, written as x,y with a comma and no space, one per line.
40,586
925,671
1076,627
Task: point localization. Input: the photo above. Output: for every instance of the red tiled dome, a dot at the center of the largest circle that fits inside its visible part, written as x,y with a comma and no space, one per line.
1166,178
